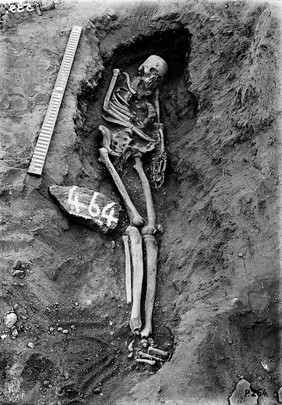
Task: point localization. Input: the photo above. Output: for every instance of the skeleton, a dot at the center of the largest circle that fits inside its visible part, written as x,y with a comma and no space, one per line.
133,106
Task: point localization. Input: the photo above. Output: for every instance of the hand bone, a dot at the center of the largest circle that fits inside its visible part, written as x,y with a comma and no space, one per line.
159,352
149,356
134,216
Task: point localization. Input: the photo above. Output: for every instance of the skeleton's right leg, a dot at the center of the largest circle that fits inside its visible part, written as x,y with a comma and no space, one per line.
134,216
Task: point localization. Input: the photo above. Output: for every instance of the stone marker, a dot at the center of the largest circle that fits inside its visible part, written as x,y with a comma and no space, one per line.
90,207
243,394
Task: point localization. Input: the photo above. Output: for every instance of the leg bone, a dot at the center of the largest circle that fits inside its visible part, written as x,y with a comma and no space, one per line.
137,262
127,270
134,217
151,248
152,258
150,227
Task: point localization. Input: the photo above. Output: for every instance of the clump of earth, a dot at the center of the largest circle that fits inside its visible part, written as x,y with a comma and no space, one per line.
65,321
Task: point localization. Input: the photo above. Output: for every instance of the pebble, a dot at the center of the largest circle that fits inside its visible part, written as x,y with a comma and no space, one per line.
17,265
160,228
30,345
10,320
15,332
19,273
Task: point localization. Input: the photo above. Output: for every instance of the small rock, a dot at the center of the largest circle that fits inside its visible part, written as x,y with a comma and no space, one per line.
3,336
51,329
241,254
72,327
15,332
18,273
46,383
17,265
30,345
269,365
65,331
10,320
16,306
76,304
60,329
160,228
97,390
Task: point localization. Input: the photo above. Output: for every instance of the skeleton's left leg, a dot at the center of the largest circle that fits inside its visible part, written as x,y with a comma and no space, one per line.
150,246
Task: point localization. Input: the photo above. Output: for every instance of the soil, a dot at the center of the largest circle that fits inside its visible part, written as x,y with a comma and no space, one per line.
217,302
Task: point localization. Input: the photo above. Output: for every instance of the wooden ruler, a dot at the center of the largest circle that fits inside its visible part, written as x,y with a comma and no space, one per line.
47,129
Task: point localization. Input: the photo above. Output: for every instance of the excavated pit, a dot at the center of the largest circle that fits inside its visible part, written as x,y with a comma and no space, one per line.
216,307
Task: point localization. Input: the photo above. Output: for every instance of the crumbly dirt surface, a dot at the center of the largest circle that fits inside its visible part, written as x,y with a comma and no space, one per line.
217,301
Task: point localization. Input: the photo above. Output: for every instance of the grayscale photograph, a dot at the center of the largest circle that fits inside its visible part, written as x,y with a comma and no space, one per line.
140,202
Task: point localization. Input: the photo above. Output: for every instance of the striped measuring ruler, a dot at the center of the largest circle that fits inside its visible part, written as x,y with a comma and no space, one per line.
47,129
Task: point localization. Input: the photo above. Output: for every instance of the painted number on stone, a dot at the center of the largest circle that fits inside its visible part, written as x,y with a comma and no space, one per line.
93,209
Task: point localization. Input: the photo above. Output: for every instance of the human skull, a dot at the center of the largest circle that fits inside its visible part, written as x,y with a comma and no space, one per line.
152,71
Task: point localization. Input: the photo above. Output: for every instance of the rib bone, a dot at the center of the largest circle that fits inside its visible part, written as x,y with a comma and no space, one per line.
137,262
127,270
134,216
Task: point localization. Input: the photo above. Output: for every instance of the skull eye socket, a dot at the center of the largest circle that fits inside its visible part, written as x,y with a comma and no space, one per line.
154,71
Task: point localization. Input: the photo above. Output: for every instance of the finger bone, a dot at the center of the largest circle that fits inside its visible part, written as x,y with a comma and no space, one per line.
151,362
149,356
159,352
